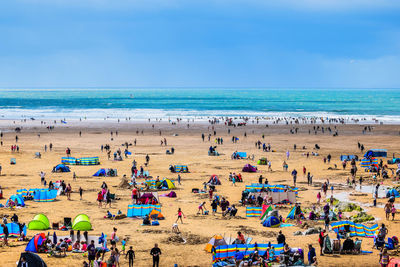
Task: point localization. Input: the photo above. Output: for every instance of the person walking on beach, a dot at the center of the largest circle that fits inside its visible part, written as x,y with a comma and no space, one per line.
155,252
80,192
321,240
388,209
180,214
131,254
294,174
179,179
287,155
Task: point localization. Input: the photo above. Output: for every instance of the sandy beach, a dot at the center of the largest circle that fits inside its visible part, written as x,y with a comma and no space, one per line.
191,151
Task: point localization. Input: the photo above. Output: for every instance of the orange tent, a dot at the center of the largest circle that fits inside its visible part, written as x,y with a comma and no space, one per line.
156,215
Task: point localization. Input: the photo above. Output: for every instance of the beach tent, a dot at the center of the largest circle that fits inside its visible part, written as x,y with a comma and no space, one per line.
19,201
146,197
216,240
355,229
45,195
265,210
82,223
229,251
156,215
61,168
141,210
392,192
106,173
253,211
32,259
214,180
13,230
35,242
376,153
262,161
249,168
167,184
271,221
39,222
291,214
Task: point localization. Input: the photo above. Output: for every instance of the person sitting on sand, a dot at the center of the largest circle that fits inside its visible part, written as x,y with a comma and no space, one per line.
146,220
175,228
109,215
76,247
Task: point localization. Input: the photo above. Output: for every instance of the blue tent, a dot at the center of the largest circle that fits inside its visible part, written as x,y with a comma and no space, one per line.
292,213
19,201
35,242
101,172
61,168
271,221
393,192
45,195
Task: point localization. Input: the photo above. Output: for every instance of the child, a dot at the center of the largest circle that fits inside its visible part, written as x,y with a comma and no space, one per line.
175,228
202,205
393,212
123,246
180,214
318,198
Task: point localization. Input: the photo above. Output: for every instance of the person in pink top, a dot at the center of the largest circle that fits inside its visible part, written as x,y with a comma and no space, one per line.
180,214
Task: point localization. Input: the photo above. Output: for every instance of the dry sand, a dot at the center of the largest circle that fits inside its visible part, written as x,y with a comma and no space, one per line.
190,150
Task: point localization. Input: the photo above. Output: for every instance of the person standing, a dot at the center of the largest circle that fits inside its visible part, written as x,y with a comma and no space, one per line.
6,233
131,254
91,252
294,174
155,252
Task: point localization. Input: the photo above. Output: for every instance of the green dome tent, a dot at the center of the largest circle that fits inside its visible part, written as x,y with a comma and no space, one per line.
39,222
82,223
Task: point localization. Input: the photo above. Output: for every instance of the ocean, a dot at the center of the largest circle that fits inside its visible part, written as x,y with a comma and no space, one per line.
140,104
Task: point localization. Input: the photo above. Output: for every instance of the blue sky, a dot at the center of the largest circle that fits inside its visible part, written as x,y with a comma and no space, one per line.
172,43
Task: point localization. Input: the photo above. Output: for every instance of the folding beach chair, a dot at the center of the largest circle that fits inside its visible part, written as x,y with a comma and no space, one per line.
67,222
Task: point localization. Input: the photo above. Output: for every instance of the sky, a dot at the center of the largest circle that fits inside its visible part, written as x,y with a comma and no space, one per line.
193,43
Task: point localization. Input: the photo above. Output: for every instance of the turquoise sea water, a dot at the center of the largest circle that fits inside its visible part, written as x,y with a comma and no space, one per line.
198,102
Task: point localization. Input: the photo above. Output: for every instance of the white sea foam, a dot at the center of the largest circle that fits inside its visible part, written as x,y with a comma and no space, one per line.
198,115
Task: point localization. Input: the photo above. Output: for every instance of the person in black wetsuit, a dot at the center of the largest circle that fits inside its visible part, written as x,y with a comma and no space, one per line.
155,252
